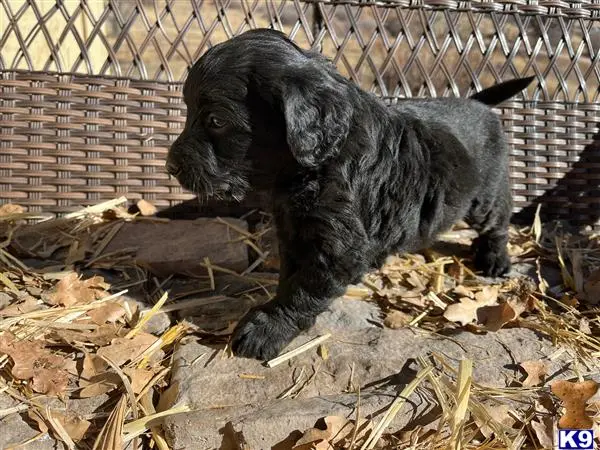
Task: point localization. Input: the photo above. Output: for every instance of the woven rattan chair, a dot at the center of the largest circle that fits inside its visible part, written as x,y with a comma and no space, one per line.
90,90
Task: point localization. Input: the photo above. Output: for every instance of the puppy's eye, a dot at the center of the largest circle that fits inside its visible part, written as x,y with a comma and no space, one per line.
216,122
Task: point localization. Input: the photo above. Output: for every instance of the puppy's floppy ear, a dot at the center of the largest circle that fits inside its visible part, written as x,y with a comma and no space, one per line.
317,116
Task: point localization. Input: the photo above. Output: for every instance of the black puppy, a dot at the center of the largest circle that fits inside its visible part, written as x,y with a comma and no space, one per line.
353,180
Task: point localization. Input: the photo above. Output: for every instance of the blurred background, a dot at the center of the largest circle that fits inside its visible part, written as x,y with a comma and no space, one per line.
394,48
90,90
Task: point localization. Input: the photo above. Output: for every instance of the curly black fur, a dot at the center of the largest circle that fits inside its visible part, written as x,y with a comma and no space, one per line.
353,180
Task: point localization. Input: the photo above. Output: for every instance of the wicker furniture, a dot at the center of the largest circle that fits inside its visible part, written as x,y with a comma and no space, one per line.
90,91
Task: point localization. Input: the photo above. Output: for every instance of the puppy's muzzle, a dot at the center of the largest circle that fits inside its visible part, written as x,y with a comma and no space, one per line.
172,168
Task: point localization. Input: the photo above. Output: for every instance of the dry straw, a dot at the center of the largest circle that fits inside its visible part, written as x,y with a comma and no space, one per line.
419,288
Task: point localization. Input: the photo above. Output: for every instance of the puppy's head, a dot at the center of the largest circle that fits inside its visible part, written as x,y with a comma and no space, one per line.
256,104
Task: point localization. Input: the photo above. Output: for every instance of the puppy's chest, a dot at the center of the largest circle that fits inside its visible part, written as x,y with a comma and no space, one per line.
320,218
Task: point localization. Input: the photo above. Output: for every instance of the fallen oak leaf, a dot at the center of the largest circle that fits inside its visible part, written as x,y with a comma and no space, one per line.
139,378
498,414
35,415
574,397
396,319
337,432
536,372
465,312
226,331
488,295
92,366
122,350
100,384
416,281
146,208
463,291
70,290
101,336
75,426
32,361
482,309
457,271
494,317
333,426
543,428
111,312
30,304
315,445
95,379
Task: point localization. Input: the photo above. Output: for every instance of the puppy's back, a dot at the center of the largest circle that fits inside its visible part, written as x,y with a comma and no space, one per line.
473,123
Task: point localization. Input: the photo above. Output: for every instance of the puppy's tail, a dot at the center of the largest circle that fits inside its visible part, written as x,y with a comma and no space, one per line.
496,94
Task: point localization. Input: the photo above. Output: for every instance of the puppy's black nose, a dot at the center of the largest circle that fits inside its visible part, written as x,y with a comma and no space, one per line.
172,168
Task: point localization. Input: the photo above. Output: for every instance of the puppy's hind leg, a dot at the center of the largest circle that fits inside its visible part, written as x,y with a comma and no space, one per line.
490,217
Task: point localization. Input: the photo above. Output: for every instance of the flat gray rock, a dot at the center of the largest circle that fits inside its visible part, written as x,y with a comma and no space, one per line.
16,428
267,404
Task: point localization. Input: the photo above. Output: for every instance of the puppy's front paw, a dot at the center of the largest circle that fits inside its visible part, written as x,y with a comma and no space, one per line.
261,334
492,263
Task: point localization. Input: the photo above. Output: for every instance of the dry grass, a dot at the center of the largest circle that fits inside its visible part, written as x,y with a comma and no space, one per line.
84,341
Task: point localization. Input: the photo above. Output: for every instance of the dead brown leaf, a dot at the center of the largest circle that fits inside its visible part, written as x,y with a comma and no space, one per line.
536,372
416,281
492,318
333,431
482,308
543,428
488,295
465,312
30,304
569,300
122,350
498,414
111,312
400,294
101,336
227,331
146,208
95,379
75,426
315,445
92,366
32,361
463,291
70,290
139,378
35,415
100,384
396,319
456,270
